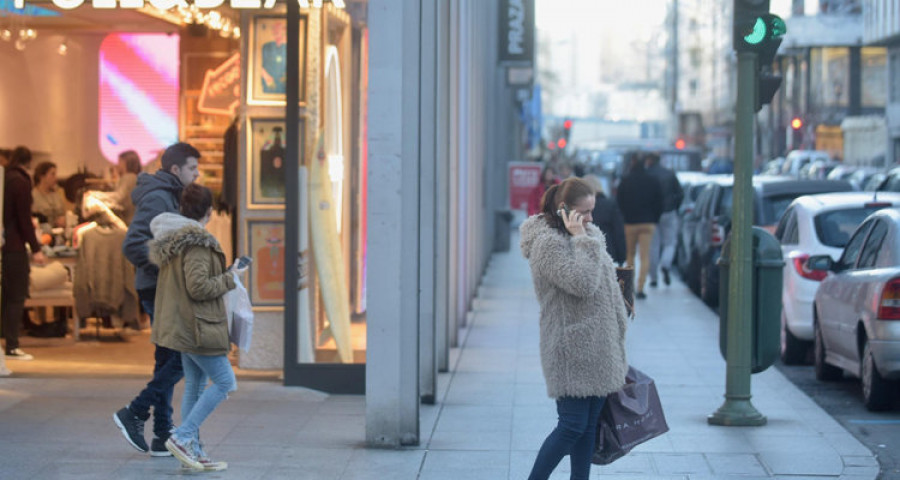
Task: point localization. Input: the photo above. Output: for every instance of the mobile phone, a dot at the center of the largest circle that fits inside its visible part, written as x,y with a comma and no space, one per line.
565,208
242,262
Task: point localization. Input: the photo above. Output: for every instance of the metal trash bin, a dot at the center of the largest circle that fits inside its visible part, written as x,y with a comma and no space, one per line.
765,315
502,220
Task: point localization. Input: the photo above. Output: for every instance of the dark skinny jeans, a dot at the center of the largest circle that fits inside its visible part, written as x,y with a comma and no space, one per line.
574,435
167,371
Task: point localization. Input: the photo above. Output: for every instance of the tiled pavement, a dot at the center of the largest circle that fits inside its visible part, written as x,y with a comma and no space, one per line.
491,416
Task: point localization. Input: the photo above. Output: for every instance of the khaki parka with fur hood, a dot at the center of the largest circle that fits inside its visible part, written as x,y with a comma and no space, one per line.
189,313
583,317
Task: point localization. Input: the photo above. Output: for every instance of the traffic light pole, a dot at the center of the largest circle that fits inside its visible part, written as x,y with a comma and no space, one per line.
737,409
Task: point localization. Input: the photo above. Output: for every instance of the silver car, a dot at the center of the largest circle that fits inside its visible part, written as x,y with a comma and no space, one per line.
856,312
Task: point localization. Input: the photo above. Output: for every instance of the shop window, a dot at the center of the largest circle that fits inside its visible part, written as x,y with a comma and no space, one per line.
874,77
830,77
894,76
138,94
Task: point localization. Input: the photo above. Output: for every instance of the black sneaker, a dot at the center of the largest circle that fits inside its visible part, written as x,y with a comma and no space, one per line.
652,283
640,295
158,447
666,279
132,428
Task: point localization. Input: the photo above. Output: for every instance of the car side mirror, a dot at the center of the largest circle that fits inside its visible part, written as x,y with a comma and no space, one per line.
820,262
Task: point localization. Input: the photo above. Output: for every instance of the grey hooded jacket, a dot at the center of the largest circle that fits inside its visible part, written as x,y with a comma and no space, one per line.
583,318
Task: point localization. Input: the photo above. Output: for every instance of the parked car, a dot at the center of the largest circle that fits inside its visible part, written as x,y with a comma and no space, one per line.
815,225
772,195
856,315
891,183
856,175
772,167
874,181
818,169
797,159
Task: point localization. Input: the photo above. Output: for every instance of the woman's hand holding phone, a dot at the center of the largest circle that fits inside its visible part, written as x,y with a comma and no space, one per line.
573,221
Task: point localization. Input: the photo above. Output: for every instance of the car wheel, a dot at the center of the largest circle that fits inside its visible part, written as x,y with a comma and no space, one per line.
708,289
793,350
824,371
877,392
693,277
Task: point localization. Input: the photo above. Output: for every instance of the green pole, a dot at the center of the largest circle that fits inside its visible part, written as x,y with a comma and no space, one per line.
737,409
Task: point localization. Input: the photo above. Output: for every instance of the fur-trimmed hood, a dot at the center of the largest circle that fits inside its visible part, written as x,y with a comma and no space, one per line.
535,227
173,234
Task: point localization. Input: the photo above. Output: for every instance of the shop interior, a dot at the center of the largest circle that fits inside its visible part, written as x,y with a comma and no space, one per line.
87,85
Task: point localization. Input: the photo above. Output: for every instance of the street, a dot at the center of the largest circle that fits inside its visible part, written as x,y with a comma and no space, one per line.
879,431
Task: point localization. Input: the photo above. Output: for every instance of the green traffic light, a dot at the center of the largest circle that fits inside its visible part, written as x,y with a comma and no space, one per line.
758,34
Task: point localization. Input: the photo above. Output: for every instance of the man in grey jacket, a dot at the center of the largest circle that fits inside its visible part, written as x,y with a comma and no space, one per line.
665,238
153,195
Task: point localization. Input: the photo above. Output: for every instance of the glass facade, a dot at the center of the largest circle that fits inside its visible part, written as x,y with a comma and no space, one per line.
830,77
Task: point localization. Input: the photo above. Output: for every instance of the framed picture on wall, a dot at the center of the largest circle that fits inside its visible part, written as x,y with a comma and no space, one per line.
266,161
265,244
267,80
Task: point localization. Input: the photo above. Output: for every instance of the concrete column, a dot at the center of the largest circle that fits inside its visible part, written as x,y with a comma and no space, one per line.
427,219
442,189
455,149
392,381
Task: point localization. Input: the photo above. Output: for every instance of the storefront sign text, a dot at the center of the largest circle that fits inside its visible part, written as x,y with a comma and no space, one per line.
222,88
168,4
516,30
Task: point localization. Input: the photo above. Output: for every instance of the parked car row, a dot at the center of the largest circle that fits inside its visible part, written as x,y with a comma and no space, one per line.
841,290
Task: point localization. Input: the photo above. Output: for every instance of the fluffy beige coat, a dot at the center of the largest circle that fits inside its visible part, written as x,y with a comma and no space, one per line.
583,318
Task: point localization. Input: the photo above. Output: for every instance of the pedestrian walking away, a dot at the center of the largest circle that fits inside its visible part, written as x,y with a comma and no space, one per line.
665,238
191,317
153,195
582,324
640,198
608,218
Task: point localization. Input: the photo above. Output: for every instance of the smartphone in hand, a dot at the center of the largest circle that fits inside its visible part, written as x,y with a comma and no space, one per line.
242,262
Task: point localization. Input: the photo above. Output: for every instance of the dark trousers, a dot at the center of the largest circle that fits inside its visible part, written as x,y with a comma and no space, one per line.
16,269
167,371
574,435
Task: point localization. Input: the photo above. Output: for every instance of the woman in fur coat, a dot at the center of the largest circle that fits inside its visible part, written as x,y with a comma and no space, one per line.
583,321
191,318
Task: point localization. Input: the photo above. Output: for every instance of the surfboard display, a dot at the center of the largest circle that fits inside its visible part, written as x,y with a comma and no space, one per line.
326,247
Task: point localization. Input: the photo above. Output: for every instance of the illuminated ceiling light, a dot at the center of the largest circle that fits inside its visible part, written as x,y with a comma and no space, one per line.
6,34
63,48
20,44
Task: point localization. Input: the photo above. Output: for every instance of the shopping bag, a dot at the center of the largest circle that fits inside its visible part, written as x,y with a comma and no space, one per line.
630,417
625,277
240,315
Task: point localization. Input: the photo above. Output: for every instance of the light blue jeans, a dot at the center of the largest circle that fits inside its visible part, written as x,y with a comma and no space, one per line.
199,399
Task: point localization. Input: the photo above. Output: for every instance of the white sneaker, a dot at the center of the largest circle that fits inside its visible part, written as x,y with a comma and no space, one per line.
18,354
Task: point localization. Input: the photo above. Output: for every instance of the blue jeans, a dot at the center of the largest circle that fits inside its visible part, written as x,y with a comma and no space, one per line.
199,399
158,393
574,435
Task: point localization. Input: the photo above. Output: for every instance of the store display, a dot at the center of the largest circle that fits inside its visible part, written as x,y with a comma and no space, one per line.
268,50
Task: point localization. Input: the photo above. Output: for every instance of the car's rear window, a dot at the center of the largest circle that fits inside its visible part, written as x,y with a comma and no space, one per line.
835,227
773,207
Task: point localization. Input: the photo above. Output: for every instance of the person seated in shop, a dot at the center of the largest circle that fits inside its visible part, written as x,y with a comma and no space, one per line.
119,200
48,204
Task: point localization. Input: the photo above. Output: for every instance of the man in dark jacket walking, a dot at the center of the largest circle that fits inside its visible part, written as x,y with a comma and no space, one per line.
153,195
18,232
641,202
662,249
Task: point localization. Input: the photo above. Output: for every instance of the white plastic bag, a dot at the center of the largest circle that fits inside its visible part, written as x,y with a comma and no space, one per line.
240,315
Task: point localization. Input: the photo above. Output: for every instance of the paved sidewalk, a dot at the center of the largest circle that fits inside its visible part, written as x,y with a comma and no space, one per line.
491,417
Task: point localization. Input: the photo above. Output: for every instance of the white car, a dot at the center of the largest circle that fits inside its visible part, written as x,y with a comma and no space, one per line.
815,225
856,316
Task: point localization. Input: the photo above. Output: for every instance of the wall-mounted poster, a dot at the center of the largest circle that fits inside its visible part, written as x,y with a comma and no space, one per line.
267,81
265,164
265,243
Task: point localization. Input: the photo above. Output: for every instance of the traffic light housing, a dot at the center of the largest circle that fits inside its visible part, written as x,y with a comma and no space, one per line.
567,127
760,32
